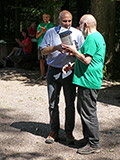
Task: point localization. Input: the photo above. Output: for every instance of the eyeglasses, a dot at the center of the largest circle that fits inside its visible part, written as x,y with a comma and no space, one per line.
67,21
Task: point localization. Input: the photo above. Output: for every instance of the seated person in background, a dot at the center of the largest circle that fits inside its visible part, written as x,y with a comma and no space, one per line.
25,46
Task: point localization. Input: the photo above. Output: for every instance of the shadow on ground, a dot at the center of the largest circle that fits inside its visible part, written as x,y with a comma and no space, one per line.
40,129
28,156
28,77
21,155
110,137
110,95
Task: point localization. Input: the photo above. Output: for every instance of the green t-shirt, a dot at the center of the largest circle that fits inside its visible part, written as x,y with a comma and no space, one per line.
91,76
47,26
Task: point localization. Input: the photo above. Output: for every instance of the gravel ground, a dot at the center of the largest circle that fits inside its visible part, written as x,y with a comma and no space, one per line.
24,120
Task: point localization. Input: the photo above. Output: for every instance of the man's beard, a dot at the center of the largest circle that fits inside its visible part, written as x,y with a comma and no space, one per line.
84,31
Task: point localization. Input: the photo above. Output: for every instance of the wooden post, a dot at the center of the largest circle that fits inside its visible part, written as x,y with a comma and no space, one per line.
17,19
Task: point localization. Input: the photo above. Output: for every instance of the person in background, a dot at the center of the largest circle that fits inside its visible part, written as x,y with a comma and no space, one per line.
51,46
32,30
25,46
41,30
88,76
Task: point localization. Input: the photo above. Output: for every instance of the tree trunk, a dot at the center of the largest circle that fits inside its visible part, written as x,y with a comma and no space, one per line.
104,11
82,8
2,24
17,19
56,10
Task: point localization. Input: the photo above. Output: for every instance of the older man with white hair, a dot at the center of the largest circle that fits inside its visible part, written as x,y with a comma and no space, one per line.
88,76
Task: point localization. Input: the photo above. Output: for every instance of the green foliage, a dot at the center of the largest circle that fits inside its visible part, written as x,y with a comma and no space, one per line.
29,11
106,74
111,70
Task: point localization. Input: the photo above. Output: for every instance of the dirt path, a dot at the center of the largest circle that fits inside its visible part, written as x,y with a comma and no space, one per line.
24,120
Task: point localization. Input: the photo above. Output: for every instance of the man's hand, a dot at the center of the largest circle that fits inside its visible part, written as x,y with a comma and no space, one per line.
70,49
86,59
67,67
43,29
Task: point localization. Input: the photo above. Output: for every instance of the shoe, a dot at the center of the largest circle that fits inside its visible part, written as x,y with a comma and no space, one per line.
70,138
88,150
52,137
43,78
81,142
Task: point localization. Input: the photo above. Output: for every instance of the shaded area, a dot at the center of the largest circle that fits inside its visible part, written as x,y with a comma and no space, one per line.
14,125
110,95
28,156
39,129
21,155
110,138
102,158
29,77
4,121
42,129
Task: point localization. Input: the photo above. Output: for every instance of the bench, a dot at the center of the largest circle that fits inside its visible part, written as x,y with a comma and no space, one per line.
26,61
5,48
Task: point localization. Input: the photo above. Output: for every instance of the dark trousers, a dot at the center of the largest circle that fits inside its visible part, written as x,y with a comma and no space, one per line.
54,84
86,105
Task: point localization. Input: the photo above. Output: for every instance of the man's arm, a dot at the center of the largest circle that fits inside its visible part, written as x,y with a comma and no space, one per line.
38,33
49,50
20,43
86,59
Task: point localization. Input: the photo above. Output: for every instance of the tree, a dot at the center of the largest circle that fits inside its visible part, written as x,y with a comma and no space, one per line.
83,7
17,21
104,11
2,22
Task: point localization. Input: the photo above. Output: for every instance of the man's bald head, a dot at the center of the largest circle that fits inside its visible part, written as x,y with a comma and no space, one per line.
89,19
88,24
65,18
64,13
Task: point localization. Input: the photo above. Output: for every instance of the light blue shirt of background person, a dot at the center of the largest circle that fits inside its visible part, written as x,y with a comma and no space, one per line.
52,38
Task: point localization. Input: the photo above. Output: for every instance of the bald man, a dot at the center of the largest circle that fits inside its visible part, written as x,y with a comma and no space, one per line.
88,76
51,46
